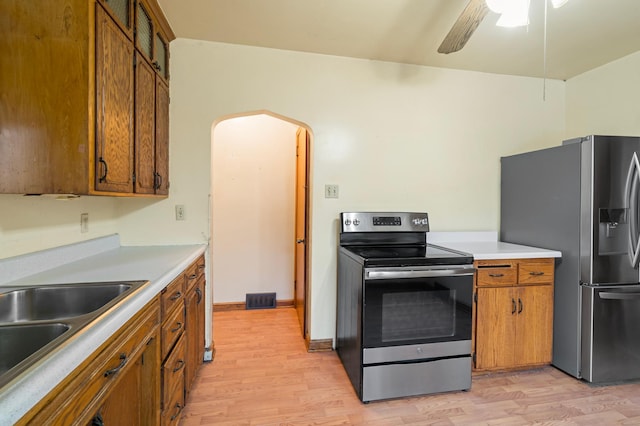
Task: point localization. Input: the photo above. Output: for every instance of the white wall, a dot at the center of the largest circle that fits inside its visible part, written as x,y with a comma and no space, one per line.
253,190
394,137
30,223
606,100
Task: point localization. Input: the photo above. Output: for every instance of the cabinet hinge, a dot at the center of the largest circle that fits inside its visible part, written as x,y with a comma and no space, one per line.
475,297
135,61
134,178
473,357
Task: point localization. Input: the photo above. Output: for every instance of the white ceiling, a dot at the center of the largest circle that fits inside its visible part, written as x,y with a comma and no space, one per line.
581,35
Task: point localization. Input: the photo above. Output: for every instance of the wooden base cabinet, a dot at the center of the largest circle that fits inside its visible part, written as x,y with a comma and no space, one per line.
117,384
195,320
514,313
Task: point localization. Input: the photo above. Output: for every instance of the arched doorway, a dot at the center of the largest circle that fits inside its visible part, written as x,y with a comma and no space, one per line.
259,218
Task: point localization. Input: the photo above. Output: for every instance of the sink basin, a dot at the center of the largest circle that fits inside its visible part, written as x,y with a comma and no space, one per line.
56,302
37,321
20,341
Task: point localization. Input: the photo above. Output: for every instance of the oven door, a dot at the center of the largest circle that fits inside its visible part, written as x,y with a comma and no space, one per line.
417,312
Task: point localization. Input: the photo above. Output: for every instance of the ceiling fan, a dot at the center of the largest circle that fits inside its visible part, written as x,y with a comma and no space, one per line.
513,13
464,26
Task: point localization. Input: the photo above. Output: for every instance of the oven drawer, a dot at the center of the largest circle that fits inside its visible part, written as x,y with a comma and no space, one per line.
400,380
416,352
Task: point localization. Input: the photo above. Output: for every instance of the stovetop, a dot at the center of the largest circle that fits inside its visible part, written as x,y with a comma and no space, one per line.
392,256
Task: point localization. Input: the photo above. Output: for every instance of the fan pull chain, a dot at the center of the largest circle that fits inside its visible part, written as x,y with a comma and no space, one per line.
544,59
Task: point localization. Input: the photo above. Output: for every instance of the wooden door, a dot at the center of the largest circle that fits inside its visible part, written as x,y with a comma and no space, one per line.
114,107
300,269
162,137
534,327
145,147
495,327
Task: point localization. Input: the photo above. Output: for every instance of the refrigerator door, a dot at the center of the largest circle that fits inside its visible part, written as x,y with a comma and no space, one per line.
610,185
610,333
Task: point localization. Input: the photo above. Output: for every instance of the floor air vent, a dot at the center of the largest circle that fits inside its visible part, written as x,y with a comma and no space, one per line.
260,300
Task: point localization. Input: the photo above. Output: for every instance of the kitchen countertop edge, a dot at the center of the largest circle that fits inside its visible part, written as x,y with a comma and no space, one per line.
157,264
498,250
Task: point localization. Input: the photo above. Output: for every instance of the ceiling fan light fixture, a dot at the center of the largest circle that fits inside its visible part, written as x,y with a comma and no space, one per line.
513,13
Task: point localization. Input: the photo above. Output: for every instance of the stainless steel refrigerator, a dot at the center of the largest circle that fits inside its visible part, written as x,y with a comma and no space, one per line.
583,199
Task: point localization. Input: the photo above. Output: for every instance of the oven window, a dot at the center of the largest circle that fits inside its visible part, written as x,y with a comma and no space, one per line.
414,311
400,310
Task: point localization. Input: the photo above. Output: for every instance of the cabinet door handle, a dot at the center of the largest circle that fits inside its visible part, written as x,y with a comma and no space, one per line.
199,293
179,407
513,306
179,365
536,273
177,295
106,169
520,306
178,327
112,371
97,420
497,275
159,181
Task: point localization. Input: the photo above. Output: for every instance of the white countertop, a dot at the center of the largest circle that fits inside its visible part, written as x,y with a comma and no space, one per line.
157,264
485,246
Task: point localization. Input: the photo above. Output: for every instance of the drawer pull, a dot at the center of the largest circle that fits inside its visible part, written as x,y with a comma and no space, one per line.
123,361
178,327
177,295
199,293
496,275
179,408
536,273
179,365
192,277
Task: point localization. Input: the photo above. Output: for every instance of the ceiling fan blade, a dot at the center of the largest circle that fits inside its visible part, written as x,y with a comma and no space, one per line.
464,26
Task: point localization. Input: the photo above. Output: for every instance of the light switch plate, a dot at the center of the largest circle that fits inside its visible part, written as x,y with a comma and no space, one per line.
331,191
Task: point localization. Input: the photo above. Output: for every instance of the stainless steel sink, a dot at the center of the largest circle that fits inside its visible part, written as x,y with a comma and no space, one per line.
38,320
20,341
55,302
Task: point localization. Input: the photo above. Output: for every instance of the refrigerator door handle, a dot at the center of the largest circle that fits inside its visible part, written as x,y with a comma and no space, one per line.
612,295
631,194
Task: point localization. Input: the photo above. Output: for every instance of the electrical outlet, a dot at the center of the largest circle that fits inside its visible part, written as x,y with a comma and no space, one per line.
84,222
180,212
331,191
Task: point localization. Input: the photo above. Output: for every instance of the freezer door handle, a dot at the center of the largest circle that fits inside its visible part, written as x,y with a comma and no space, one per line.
631,193
613,295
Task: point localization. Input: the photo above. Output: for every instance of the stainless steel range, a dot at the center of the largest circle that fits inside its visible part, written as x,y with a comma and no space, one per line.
404,308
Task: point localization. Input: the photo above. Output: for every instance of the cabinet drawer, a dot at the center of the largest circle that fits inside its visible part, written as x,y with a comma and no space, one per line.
171,331
194,272
172,296
497,273
536,271
171,411
173,371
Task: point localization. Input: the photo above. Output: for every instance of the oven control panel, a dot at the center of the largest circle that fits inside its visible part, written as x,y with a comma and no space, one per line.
384,222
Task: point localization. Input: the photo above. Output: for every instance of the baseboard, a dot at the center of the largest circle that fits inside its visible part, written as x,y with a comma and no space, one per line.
319,345
241,306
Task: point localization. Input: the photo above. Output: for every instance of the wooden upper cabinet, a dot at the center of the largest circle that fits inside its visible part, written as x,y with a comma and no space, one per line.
114,106
74,129
162,138
145,127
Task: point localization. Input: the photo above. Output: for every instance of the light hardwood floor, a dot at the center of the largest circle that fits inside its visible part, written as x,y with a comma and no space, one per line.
262,375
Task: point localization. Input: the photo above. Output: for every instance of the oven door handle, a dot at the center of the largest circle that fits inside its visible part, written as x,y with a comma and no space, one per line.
397,274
